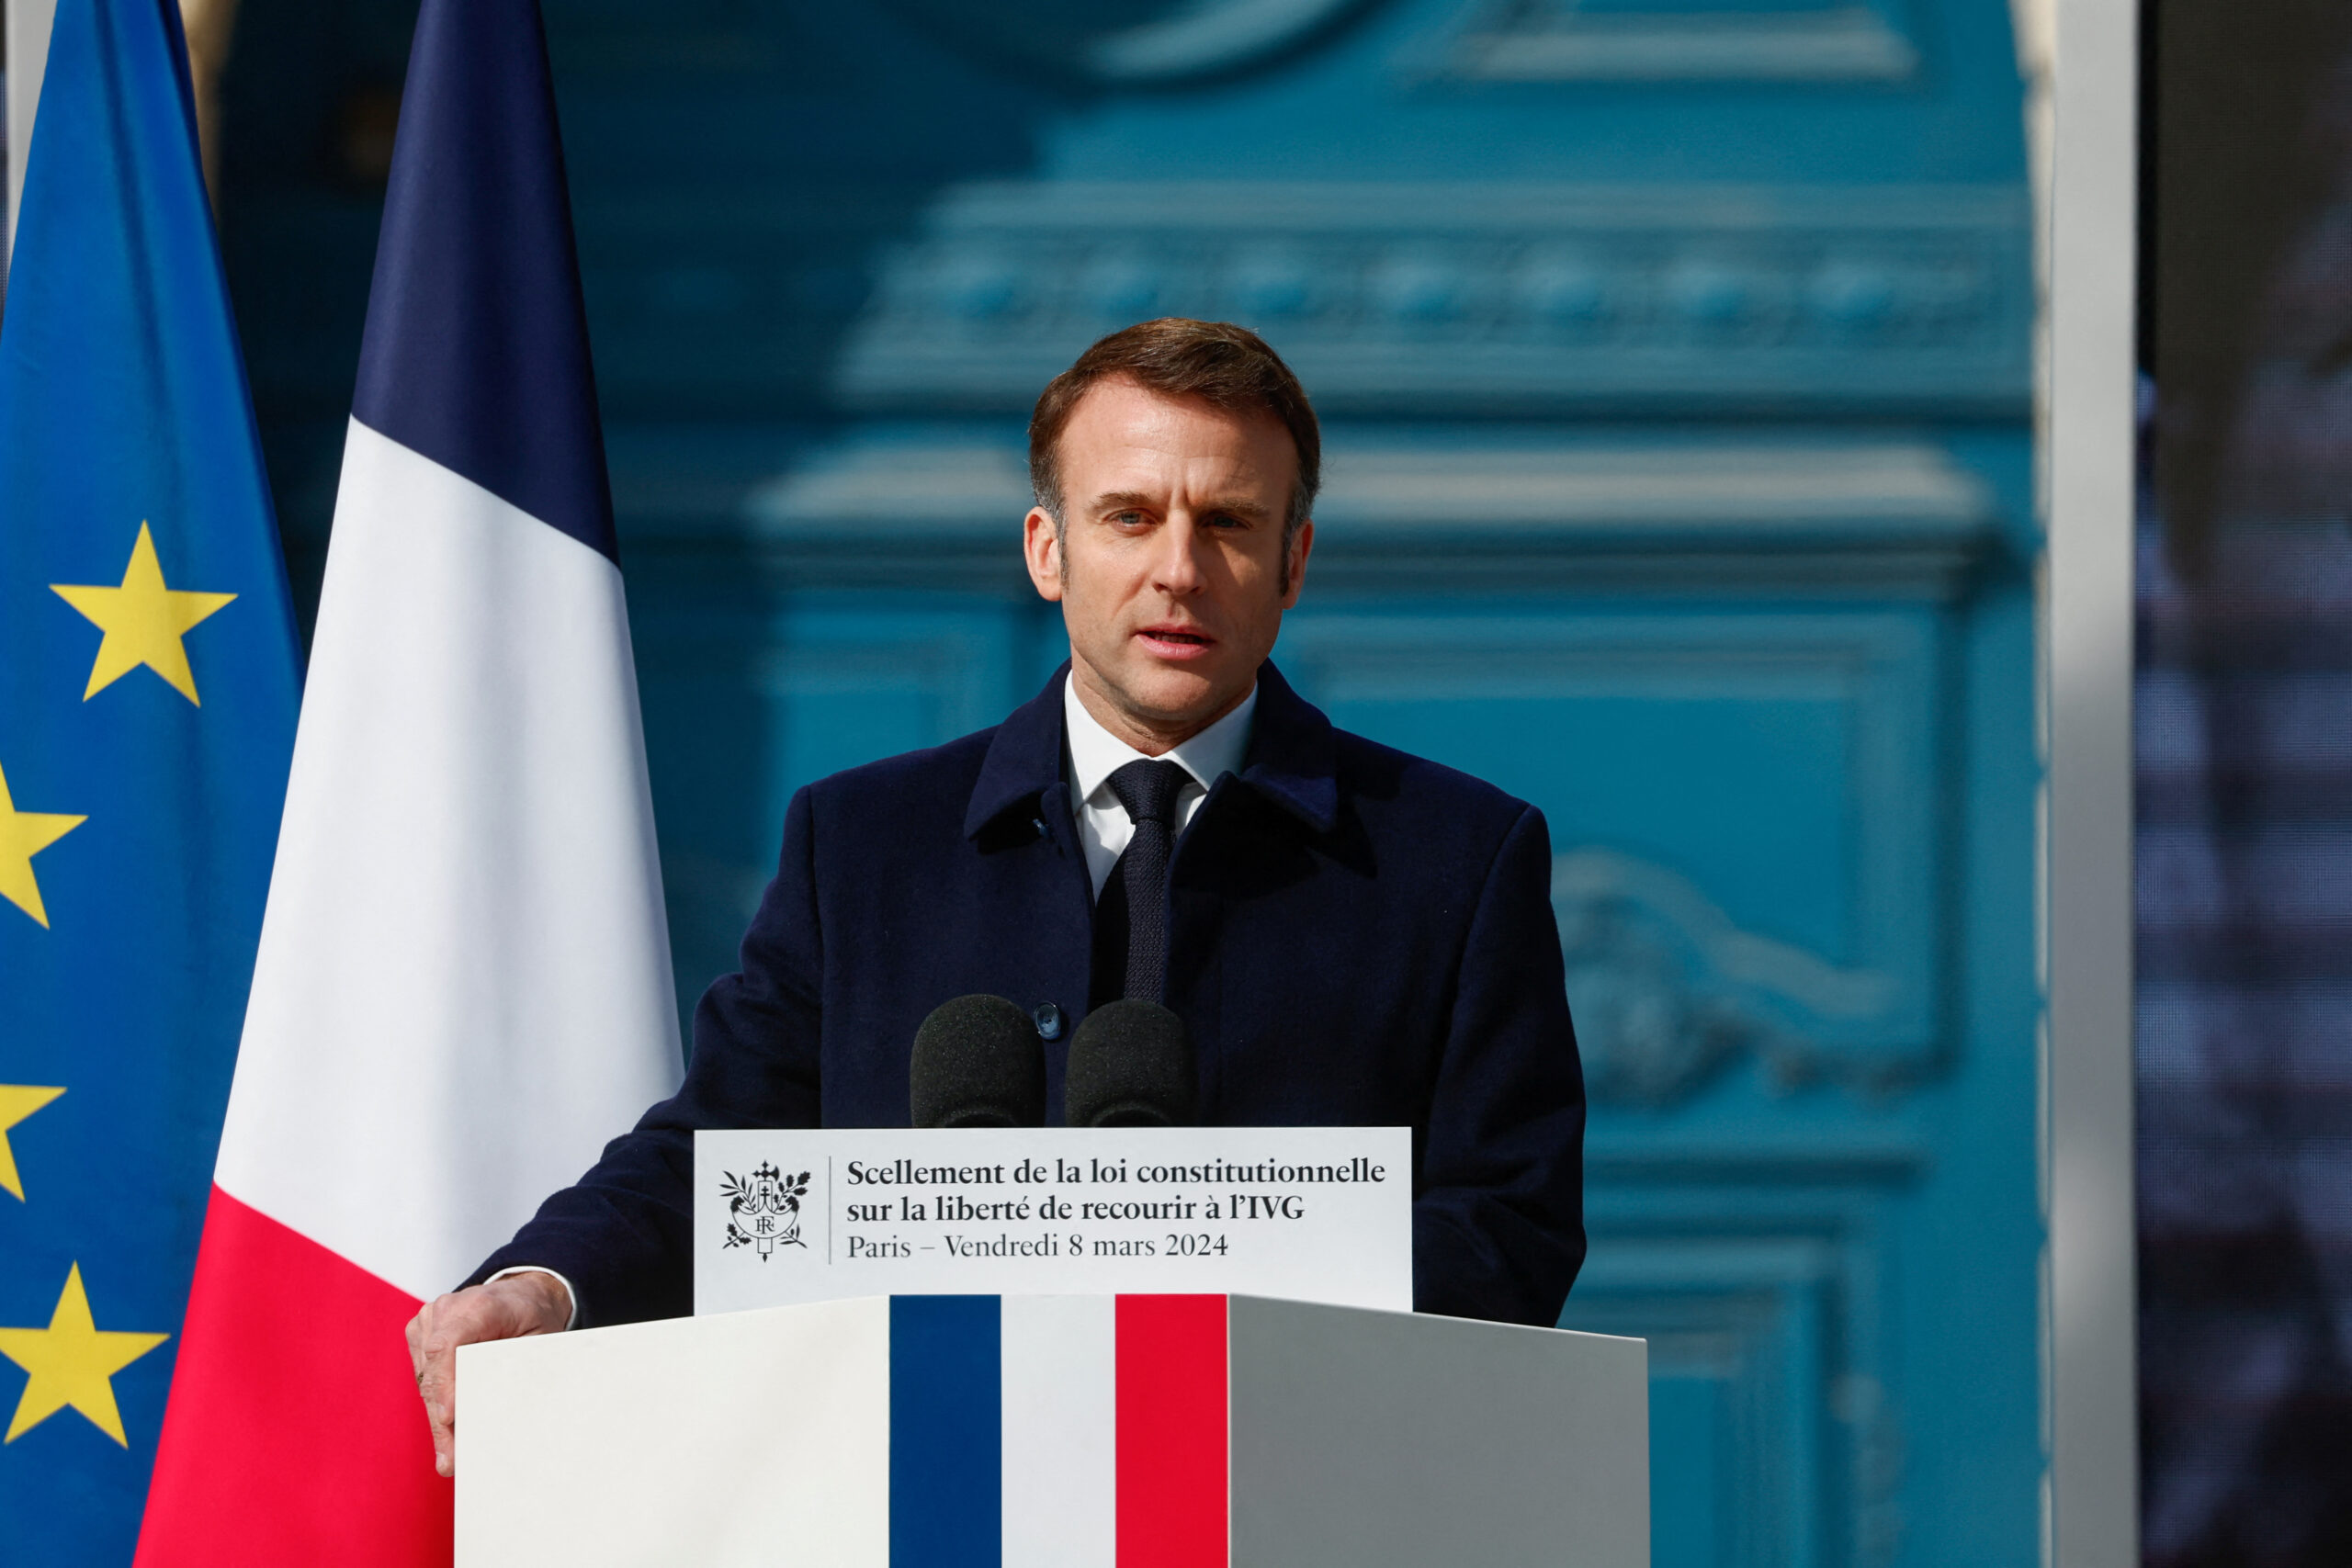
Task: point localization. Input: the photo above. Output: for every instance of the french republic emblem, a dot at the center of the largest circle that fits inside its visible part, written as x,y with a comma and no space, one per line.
764,1210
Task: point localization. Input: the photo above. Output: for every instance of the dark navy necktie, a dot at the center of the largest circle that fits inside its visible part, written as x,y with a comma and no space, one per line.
1149,791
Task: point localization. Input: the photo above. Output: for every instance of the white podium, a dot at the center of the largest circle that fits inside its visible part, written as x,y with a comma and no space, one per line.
1056,1432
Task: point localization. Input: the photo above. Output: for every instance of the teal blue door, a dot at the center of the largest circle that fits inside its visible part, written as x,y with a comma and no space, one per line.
1675,356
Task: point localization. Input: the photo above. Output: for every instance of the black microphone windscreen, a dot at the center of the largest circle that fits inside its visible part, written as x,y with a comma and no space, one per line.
977,1063
1130,1066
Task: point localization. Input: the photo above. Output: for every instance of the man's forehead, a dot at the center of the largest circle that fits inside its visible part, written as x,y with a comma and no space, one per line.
1118,402
1137,431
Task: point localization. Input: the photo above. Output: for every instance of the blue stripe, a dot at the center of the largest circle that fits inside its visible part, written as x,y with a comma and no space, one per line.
475,353
947,1432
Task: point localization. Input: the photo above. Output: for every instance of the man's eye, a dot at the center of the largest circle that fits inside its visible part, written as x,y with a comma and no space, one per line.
1127,519
1226,520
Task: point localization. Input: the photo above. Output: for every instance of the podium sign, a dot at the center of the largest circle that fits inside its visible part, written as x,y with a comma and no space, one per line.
1307,1213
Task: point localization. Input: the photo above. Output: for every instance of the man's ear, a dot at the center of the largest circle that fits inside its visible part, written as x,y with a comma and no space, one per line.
1041,551
1295,563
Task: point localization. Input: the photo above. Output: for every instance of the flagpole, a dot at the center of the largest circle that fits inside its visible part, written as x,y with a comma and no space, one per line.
27,54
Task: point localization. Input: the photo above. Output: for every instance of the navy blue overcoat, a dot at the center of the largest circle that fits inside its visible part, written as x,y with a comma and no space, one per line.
1357,938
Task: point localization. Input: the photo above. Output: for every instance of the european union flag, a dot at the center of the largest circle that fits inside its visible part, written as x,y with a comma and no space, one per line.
148,684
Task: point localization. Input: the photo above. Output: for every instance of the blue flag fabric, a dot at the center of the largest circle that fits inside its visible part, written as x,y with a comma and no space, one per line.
477,347
148,687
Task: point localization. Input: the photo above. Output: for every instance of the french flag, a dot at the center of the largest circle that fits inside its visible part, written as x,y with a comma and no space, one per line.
1091,1431
463,985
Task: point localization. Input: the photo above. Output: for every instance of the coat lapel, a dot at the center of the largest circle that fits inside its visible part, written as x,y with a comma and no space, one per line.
1019,819
1036,903
1024,758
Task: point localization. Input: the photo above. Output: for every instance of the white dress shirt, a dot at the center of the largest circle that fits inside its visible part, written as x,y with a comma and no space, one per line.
1103,826
571,1318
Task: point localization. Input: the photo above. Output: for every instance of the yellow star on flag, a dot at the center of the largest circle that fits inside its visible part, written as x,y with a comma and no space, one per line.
24,834
72,1362
143,621
17,1100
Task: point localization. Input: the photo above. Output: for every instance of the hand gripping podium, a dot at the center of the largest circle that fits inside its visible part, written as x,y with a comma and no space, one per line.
1056,1432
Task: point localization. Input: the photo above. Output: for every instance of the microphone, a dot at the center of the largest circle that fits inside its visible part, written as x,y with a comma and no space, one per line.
1130,1066
977,1063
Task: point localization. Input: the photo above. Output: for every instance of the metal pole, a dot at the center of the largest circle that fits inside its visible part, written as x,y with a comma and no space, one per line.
27,36
2092,1509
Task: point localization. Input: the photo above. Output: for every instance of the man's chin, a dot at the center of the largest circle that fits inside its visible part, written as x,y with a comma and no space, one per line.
1178,696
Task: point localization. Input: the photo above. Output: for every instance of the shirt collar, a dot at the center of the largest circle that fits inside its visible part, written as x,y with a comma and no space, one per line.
1293,758
1095,753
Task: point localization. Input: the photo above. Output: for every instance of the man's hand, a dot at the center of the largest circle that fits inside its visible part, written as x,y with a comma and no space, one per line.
502,1309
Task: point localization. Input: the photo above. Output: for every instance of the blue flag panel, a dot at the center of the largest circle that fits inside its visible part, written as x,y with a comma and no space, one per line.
147,686
477,347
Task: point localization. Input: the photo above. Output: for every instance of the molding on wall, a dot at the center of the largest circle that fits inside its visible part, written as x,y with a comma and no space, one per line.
1668,991
1419,297
1674,990
1202,39
938,505
1770,1303
1647,1152
1557,41
1400,300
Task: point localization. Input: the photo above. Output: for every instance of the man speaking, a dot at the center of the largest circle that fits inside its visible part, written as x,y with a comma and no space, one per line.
1353,936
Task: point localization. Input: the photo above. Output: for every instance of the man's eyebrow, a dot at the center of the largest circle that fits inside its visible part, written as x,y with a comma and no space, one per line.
1135,501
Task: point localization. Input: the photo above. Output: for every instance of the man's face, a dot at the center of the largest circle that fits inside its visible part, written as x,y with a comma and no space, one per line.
1169,566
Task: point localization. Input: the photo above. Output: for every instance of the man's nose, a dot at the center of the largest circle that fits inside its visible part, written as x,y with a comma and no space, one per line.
1177,566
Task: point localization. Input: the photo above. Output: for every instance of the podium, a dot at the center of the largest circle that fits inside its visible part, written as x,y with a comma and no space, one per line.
1056,1432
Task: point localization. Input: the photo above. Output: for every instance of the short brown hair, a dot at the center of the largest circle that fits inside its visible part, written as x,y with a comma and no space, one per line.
1226,367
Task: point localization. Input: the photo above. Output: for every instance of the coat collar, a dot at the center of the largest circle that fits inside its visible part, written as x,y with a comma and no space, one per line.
1293,757
1292,760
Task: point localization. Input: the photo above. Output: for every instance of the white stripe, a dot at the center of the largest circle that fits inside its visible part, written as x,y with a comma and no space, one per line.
463,988
1062,1507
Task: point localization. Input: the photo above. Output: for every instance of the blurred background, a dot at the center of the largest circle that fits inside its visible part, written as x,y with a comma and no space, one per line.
2245,722
1677,364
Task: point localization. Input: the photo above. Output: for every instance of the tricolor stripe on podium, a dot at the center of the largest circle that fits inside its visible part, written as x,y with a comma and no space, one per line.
1043,1432
1109,1446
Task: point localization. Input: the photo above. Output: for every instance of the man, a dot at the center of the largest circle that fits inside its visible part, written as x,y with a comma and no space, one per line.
1353,936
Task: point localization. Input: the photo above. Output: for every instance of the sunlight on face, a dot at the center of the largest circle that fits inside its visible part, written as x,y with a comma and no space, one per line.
1169,564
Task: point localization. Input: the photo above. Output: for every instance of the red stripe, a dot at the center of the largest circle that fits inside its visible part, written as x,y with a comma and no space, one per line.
1171,1432
294,1435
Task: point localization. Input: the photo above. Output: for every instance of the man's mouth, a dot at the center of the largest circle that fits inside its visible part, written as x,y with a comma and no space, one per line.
1176,642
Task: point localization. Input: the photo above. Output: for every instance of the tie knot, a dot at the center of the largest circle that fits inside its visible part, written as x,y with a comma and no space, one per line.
1148,790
